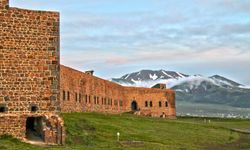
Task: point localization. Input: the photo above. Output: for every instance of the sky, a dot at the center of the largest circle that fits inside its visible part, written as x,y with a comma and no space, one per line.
115,37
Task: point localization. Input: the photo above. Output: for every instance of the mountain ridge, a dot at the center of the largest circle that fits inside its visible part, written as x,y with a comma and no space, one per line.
215,89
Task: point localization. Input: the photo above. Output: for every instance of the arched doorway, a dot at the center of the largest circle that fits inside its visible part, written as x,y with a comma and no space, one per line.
34,130
134,106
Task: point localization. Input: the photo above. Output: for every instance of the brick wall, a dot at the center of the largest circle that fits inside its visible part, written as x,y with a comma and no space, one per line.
100,95
29,66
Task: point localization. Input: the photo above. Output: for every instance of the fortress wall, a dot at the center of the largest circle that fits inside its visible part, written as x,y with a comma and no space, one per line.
100,95
29,66
151,101
96,94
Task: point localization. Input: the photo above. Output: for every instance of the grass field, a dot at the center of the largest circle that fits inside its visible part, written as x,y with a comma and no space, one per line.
98,131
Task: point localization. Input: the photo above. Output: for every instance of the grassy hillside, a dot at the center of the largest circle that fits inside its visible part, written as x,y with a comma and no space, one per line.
98,131
236,97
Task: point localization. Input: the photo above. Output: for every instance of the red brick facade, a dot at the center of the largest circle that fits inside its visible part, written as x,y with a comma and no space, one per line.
82,92
29,71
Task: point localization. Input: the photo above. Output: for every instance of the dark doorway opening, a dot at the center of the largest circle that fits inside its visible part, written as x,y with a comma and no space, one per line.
34,129
134,106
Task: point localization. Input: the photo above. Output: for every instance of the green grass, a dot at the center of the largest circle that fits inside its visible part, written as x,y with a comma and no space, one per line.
243,124
98,131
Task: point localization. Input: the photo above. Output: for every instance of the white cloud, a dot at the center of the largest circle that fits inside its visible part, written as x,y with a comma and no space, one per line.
214,33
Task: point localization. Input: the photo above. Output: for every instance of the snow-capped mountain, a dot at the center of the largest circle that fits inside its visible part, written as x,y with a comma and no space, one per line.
148,78
194,88
148,75
225,81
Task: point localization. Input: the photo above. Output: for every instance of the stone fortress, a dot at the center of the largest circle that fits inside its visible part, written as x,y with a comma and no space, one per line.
35,88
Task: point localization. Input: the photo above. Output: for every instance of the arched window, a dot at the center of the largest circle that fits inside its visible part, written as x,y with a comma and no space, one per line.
159,103
146,103
166,104
151,104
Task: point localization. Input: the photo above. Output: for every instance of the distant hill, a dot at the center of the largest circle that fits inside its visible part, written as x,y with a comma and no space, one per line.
192,88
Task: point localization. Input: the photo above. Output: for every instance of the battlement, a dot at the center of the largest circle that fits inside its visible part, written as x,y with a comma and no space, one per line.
4,4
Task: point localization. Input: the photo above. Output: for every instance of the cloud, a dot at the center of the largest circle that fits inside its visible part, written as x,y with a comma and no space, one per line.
116,59
145,33
244,5
236,28
149,56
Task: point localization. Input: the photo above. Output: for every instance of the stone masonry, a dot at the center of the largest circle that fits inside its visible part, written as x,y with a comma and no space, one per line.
82,92
29,72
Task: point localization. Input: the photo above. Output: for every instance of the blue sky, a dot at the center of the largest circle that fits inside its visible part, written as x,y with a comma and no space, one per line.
115,37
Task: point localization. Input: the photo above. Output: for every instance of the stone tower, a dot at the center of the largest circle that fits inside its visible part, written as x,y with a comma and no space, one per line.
29,74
